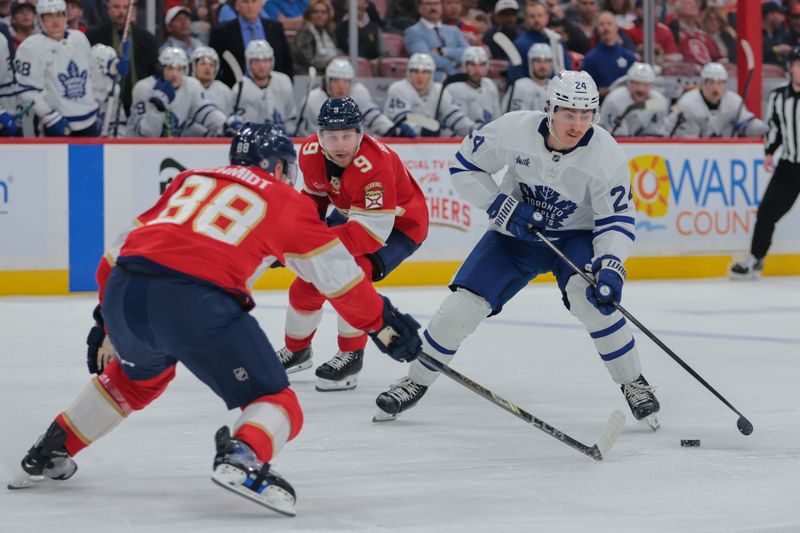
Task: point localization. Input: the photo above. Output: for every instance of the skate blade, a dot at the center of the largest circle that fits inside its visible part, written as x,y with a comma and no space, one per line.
298,368
24,481
383,416
326,385
273,497
753,276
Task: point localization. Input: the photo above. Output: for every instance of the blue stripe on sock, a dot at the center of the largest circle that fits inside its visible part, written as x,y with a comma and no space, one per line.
438,347
618,353
609,330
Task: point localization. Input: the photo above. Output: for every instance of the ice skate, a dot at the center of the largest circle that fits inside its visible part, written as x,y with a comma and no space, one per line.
747,269
401,396
642,401
295,361
47,459
341,372
237,469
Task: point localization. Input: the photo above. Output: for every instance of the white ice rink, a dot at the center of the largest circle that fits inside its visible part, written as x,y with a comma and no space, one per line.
455,462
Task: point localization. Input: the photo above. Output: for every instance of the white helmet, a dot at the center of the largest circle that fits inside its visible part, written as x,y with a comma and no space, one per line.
474,54
421,61
258,49
714,71
339,69
105,57
572,90
540,51
205,52
641,72
50,6
172,56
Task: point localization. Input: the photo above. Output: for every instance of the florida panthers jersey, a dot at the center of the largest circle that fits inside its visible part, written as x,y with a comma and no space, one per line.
376,192
586,190
375,122
527,95
275,102
480,104
220,95
691,118
224,226
55,76
643,122
402,98
189,114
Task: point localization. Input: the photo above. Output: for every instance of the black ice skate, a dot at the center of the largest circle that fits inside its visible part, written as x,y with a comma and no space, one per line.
237,469
749,268
295,361
341,372
643,403
48,459
401,396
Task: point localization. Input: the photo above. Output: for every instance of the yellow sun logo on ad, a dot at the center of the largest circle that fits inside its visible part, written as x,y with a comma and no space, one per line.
650,184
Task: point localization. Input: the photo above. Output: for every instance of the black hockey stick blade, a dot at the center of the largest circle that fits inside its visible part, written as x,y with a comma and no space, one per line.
598,451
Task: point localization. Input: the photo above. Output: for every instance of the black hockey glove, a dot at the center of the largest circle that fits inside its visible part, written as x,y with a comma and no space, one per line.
398,337
100,351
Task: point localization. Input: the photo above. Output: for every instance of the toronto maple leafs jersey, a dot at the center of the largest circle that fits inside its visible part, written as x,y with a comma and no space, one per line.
275,102
8,85
106,94
403,98
220,95
645,122
480,104
54,75
376,123
691,117
525,95
189,114
585,190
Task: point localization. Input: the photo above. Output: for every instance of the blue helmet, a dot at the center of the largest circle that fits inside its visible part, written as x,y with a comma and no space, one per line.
264,146
340,114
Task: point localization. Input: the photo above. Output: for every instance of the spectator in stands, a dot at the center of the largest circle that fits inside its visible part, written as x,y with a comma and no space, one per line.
400,14
289,13
5,13
776,35
340,9
370,36
178,25
315,43
570,33
536,31
75,16
429,36
694,44
794,25
622,11
608,60
249,25
715,24
479,20
584,14
505,17
665,49
144,60
23,21
452,15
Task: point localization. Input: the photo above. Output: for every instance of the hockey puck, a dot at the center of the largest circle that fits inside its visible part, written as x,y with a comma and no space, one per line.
690,443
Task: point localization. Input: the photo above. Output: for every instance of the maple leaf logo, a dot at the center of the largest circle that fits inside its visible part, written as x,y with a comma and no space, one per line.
73,81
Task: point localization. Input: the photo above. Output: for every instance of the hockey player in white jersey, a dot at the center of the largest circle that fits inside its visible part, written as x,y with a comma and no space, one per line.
8,92
52,70
419,94
106,88
205,66
530,93
712,111
173,106
635,109
264,95
569,179
478,96
339,82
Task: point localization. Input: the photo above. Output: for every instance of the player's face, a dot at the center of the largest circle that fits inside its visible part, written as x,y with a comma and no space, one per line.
260,69
174,74
477,71
541,68
340,145
569,126
339,87
54,24
713,90
204,69
640,91
421,80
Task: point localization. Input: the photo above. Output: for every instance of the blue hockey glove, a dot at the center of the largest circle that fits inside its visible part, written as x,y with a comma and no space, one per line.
163,94
406,131
517,218
8,125
429,133
55,125
610,275
232,125
124,63
398,337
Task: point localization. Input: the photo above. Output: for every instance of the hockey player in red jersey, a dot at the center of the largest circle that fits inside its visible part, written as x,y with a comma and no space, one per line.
178,292
379,214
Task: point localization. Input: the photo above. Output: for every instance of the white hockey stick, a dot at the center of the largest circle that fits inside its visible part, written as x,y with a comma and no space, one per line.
116,98
312,79
415,118
238,75
502,40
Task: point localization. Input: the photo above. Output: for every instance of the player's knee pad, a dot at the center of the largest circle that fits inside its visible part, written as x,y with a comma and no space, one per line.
269,422
304,296
454,321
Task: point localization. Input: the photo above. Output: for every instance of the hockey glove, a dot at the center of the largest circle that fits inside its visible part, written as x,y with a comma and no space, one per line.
232,125
516,218
163,94
425,132
55,125
8,126
398,337
405,130
610,275
124,63
100,351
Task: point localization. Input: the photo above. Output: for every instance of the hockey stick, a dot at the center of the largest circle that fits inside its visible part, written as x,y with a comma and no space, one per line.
312,78
751,66
455,78
117,98
505,44
744,425
678,122
650,105
414,118
238,75
609,434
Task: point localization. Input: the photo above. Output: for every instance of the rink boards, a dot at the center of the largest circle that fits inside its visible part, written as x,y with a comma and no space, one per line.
61,205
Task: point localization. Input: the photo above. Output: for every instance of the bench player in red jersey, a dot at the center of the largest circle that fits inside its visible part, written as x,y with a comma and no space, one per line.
379,214
178,292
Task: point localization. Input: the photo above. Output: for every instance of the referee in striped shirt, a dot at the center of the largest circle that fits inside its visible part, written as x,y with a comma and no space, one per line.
783,113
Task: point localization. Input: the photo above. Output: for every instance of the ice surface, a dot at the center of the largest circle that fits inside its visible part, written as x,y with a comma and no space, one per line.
455,462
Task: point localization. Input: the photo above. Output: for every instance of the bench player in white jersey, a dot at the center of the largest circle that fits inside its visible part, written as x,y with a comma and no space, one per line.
478,96
635,109
106,88
264,94
205,66
711,110
568,178
173,106
530,93
8,92
419,94
339,82
53,72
